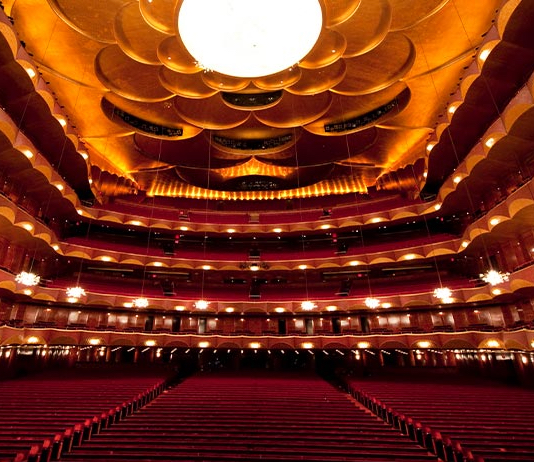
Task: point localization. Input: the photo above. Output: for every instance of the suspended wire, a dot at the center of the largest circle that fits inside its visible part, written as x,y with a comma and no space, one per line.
152,208
357,204
454,151
205,243
302,236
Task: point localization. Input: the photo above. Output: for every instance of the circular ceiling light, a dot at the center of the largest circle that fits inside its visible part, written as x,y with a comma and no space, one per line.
249,38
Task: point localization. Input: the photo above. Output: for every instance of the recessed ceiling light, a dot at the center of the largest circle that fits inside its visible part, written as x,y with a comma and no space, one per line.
484,54
27,153
490,142
30,72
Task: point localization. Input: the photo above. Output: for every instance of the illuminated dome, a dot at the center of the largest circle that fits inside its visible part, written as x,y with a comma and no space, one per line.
249,38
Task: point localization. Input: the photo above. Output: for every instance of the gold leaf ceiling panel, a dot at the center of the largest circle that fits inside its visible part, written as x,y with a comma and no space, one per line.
209,113
159,14
367,28
279,81
338,11
405,14
346,107
186,85
369,73
129,78
328,49
90,20
315,81
161,114
221,82
294,111
173,54
135,37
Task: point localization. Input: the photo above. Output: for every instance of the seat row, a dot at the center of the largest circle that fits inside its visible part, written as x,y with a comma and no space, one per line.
215,418
40,419
457,422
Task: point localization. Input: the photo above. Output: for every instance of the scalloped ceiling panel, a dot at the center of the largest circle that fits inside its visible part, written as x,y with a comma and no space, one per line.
139,99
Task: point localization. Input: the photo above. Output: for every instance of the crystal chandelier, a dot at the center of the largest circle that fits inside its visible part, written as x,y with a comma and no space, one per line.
372,302
444,294
75,292
307,305
27,279
202,305
494,277
140,302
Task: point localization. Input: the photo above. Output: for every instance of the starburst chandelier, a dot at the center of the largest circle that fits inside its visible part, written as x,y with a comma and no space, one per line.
75,292
202,305
371,302
140,302
27,279
444,294
307,305
494,277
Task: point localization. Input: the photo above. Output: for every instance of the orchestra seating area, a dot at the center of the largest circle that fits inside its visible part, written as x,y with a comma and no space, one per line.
42,415
139,413
467,420
259,417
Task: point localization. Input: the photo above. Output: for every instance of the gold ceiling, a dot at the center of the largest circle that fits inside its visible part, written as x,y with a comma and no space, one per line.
362,103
